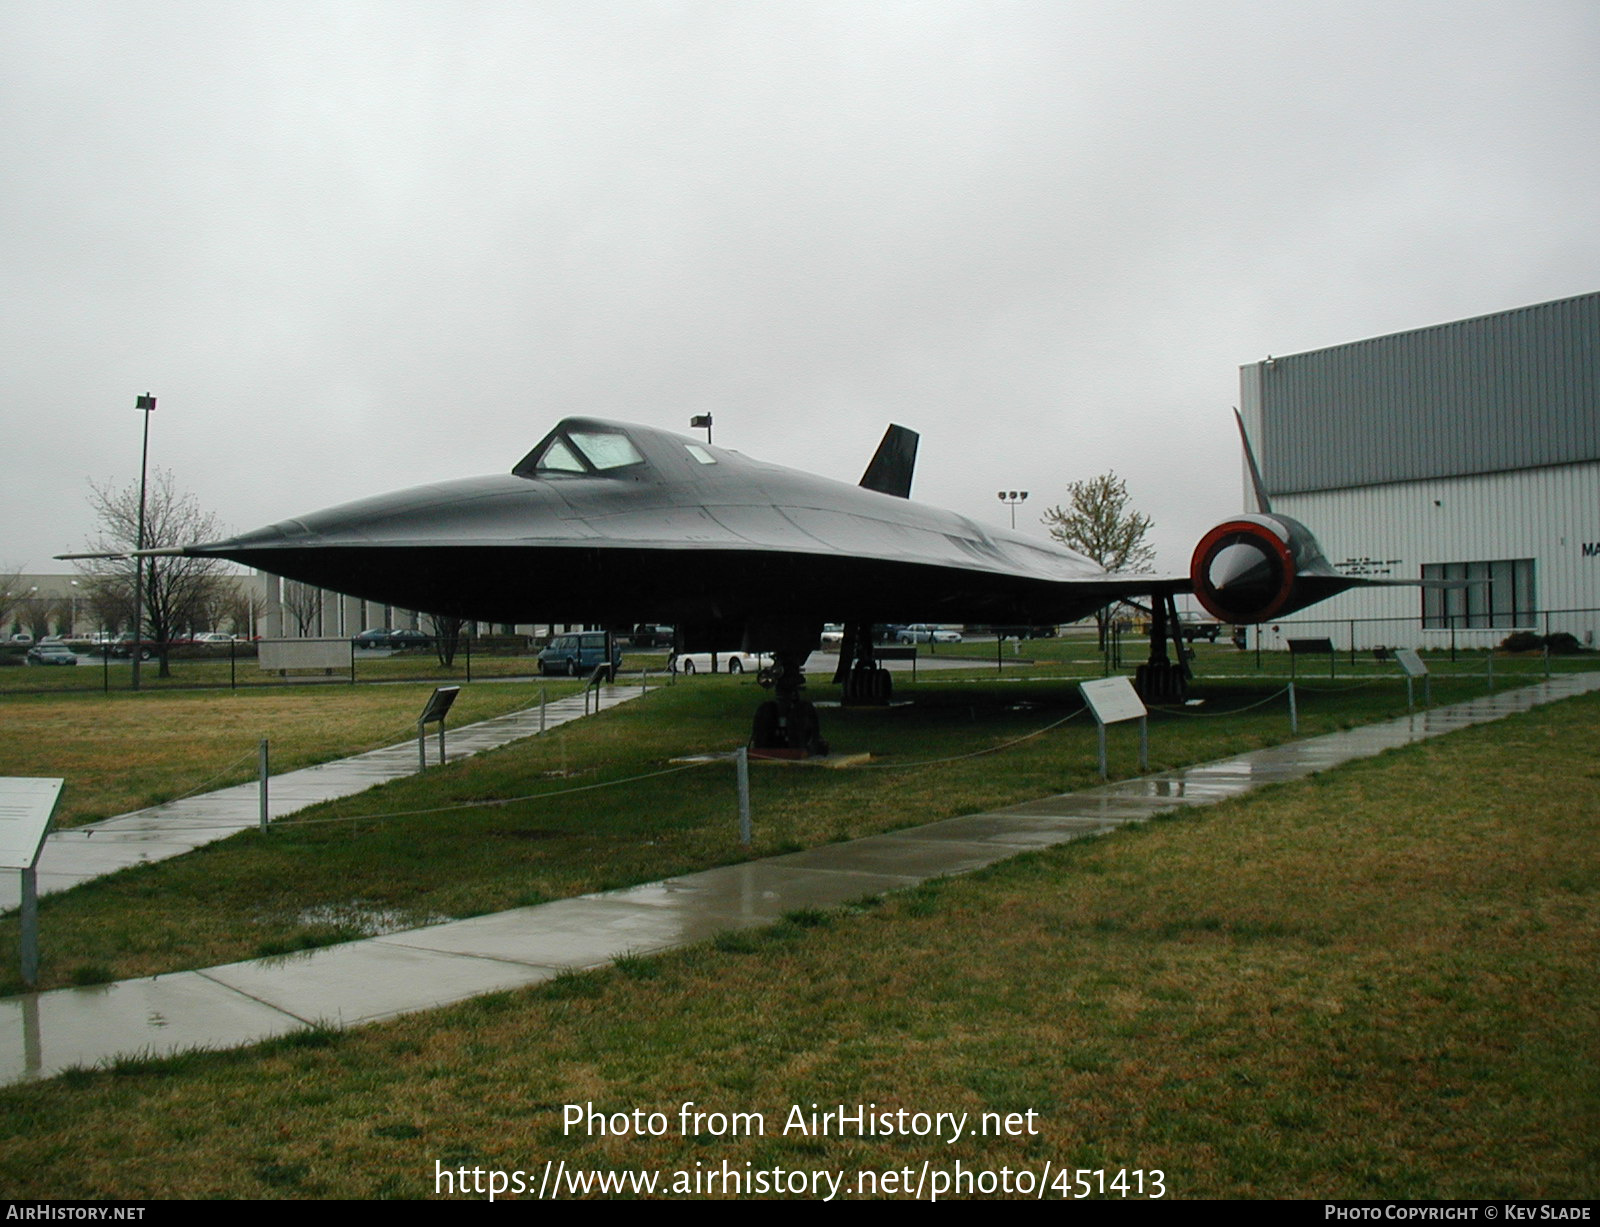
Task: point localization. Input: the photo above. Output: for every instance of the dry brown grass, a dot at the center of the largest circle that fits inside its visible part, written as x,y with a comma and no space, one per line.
122,752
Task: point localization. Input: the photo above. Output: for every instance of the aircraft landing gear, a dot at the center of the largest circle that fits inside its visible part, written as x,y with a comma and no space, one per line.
787,724
1160,679
865,684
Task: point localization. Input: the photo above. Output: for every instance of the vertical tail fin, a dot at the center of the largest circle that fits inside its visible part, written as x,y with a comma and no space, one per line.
1263,503
893,462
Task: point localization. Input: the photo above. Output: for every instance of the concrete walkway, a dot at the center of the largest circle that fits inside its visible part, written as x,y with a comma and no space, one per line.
74,856
364,981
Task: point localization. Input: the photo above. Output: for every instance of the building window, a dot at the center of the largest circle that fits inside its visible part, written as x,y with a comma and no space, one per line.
1501,595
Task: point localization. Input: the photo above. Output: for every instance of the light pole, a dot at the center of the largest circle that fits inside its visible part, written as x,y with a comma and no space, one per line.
147,405
1011,498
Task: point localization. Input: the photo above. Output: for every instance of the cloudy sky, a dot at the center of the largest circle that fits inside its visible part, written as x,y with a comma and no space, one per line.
356,246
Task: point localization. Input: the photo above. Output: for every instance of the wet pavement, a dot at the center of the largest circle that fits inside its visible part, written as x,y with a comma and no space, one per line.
76,855
381,977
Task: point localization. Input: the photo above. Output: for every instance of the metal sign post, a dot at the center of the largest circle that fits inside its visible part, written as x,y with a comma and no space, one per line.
1112,700
1413,666
438,707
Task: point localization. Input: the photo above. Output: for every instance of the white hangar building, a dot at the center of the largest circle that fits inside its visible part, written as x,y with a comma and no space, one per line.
1466,450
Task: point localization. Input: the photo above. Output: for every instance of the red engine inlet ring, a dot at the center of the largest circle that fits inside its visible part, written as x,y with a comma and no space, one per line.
1233,532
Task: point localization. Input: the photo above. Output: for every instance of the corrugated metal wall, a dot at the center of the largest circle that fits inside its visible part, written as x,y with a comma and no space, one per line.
1473,442
1548,515
1516,390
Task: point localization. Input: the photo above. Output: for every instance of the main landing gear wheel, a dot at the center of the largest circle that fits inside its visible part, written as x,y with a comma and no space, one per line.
868,687
865,684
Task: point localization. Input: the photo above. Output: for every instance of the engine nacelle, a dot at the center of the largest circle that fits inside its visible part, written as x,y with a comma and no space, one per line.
1256,567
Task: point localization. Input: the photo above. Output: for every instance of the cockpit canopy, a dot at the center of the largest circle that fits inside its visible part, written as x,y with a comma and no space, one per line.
589,447
571,448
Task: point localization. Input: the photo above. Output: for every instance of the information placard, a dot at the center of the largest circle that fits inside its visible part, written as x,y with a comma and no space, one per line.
26,806
1410,662
1112,699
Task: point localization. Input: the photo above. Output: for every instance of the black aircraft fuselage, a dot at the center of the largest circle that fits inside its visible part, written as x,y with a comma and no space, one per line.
611,523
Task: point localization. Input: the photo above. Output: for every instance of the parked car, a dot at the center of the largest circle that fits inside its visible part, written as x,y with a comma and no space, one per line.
731,661
213,637
579,654
123,645
377,637
405,638
921,632
51,654
1195,626
652,635
1015,632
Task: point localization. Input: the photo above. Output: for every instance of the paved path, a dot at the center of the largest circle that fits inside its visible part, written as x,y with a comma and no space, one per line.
364,981
76,855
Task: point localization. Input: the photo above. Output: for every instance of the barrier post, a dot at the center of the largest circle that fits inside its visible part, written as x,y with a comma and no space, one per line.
742,775
262,775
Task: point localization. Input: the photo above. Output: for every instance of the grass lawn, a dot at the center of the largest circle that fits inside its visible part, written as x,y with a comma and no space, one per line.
216,672
1376,983
1076,654
388,859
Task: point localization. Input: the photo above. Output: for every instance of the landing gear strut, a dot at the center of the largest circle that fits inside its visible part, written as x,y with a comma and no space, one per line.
865,684
787,725
1159,679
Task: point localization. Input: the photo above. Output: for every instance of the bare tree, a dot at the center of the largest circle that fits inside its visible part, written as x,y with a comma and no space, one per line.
39,612
111,606
446,636
11,597
64,615
243,608
1097,521
302,603
179,592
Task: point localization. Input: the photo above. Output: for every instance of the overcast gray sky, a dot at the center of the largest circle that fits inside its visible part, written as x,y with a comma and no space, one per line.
357,246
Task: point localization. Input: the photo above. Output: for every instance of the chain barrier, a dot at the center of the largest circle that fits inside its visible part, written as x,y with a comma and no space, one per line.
1232,711
956,758
182,796
535,796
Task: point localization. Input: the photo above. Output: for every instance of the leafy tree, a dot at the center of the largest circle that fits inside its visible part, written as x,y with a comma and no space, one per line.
1097,521
179,593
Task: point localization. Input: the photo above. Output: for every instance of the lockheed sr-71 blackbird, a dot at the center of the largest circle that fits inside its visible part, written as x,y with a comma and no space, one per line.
610,523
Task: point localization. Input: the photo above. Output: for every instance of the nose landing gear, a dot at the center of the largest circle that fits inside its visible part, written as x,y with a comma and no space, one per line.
786,726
